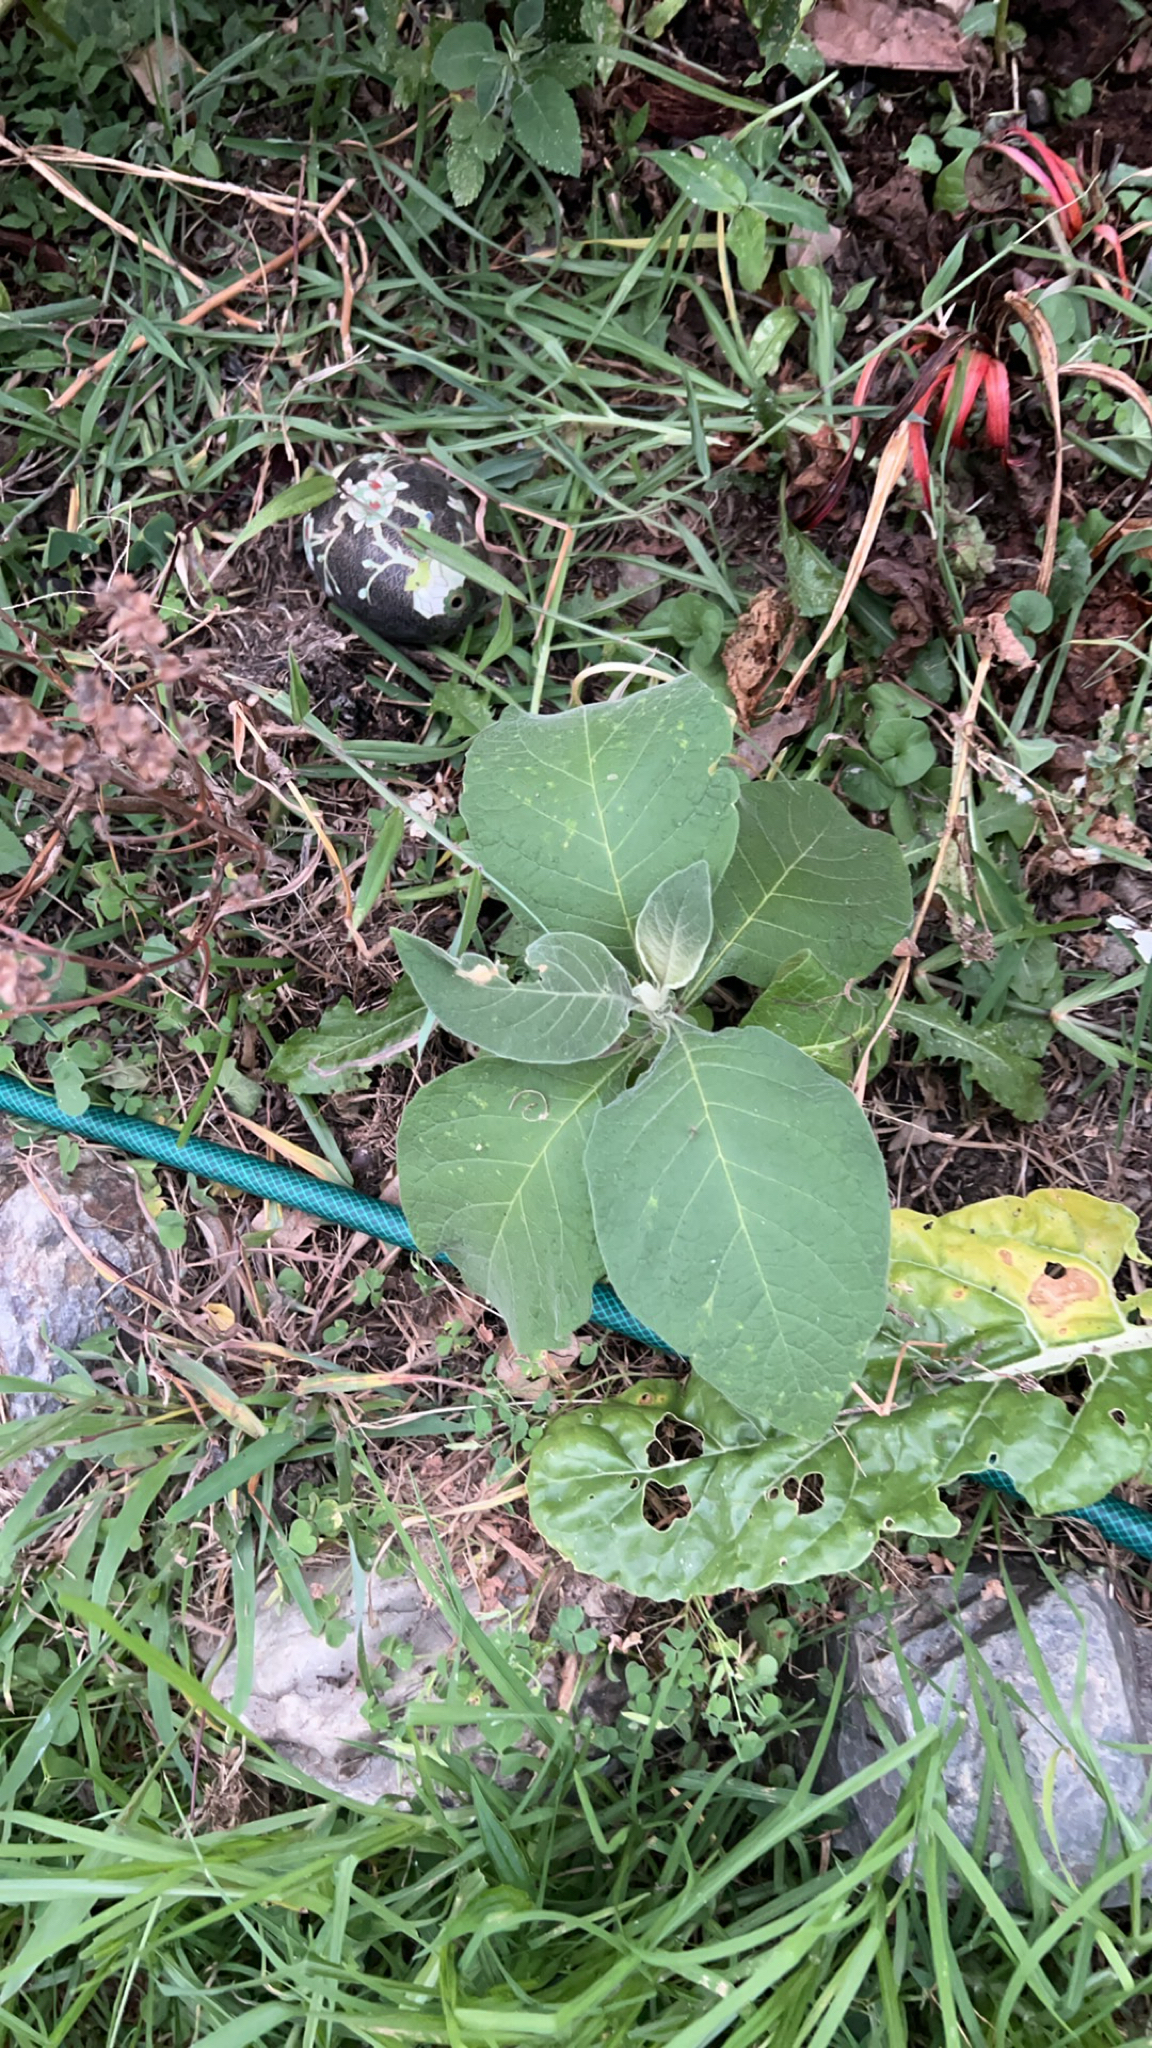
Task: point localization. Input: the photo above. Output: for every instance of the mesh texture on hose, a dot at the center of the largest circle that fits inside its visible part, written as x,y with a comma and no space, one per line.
1117,1520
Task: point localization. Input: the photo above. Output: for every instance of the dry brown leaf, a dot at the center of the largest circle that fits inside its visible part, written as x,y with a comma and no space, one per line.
941,1566
889,470
825,454
755,649
813,245
1122,833
994,636
159,68
527,1378
887,36
763,743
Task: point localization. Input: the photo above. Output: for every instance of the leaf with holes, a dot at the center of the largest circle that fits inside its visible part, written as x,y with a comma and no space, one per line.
742,1210
673,1493
581,815
491,1163
575,1005
1021,1273
805,877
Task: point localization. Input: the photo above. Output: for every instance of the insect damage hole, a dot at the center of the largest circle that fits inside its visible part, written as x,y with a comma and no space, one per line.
664,1505
673,1442
806,1494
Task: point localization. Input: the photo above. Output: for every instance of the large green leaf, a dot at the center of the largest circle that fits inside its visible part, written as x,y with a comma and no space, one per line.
491,1163
988,1303
463,54
574,1006
338,1052
582,814
805,877
742,1211
811,1008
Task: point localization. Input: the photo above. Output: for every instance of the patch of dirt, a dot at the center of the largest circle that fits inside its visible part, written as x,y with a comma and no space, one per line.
1066,40
895,209
1099,673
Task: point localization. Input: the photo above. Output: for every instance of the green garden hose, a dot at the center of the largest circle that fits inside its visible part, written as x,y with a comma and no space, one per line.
1117,1520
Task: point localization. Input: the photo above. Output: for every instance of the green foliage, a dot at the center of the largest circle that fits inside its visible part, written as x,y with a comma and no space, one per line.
727,178
741,1206
524,83
729,1188
557,1882
575,1007
987,1305
806,877
583,815
1002,1057
811,1007
347,1043
491,1162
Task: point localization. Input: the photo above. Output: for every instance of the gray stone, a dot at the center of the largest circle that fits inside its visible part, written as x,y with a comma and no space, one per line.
1037,111
63,1242
308,1701
1093,1659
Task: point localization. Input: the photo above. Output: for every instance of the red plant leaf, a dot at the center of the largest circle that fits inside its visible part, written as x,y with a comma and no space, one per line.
1055,176
972,368
918,452
997,405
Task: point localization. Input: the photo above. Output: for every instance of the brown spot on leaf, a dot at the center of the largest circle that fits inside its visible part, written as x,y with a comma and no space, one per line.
1052,1297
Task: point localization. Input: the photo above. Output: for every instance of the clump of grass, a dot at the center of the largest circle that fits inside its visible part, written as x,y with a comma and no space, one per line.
642,1903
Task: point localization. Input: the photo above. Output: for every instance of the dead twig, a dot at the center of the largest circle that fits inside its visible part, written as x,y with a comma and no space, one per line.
73,194
251,280
961,760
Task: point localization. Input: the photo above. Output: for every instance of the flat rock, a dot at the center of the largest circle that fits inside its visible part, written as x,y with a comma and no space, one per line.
62,1241
307,1698
1093,1681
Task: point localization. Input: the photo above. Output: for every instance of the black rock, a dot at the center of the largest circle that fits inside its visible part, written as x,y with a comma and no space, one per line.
357,546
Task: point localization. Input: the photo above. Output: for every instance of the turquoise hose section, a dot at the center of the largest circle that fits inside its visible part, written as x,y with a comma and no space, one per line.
1116,1519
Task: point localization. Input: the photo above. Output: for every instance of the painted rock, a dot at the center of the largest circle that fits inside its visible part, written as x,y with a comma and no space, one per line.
357,547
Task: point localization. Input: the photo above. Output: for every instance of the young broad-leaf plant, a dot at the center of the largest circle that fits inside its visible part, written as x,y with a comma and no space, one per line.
726,1183
525,82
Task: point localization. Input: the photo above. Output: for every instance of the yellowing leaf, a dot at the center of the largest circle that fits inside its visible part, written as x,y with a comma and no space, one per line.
219,1395
1050,1255
311,1162
986,1302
